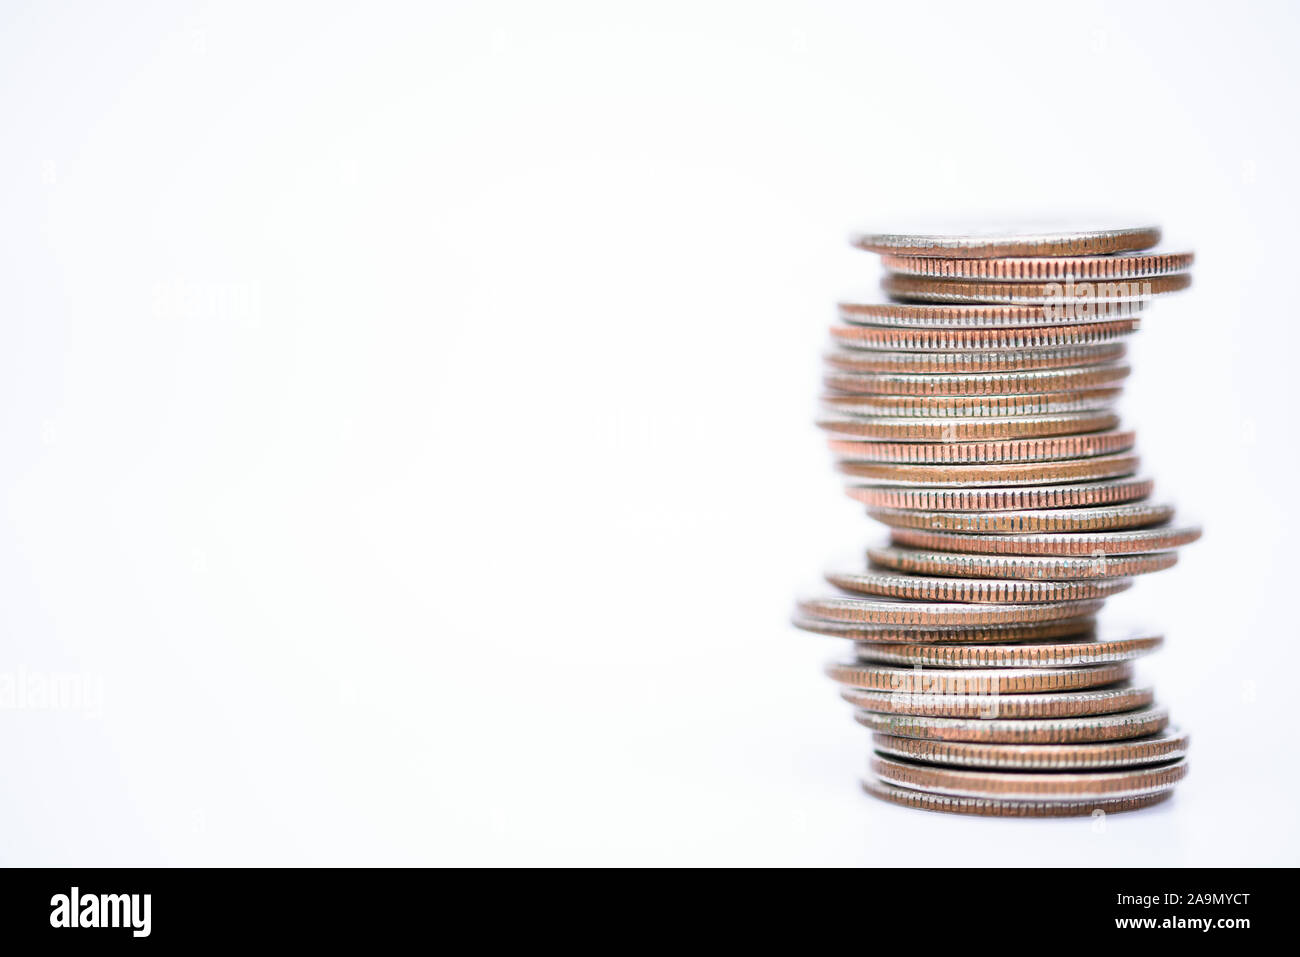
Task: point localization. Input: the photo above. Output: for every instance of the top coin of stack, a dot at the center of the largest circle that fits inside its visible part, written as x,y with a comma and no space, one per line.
972,408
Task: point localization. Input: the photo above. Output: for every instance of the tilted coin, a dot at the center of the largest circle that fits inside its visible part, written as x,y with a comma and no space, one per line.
908,429
976,340
1030,785
985,681
972,406
1094,519
1164,746
1015,360
993,711
977,590
1057,653
993,474
1122,542
989,383
990,807
885,611
1029,239
1048,449
1066,291
1043,268
868,311
1036,567
1079,629
1015,497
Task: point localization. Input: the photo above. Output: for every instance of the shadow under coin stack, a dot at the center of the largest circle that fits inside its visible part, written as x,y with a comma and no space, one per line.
972,413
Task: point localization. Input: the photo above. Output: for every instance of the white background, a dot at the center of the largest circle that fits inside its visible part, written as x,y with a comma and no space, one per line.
407,415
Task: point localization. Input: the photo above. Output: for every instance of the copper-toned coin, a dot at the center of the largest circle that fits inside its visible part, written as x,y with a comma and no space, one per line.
1095,519
1058,653
1050,449
968,681
1030,785
908,429
885,611
992,708
1043,268
988,807
979,590
974,290
1029,239
864,312
1079,629
925,363
1123,542
1167,745
1009,497
1037,567
988,340
993,474
991,383
972,406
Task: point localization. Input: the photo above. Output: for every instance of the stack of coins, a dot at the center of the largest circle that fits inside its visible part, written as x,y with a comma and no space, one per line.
971,409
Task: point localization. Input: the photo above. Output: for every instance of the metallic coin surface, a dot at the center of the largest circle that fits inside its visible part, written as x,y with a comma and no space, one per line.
1167,745
926,363
913,561
907,429
1029,293
1117,719
1043,268
1030,785
1094,519
1016,497
888,584
972,406
1030,239
1049,449
1057,653
1093,544
1076,628
885,611
869,311
993,474
988,340
993,706
988,807
990,383
982,681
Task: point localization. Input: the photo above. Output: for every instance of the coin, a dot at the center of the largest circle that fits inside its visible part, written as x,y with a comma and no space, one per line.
867,312
975,340
1077,628
1043,268
974,290
1106,714
882,360
1051,449
972,406
1095,518
1008,498
884,611
1058,653
958,430
978,590
1036,567
987,807
993,474
1030,239
1166,745
1121,542
991,383
992,708
1030,785
987,681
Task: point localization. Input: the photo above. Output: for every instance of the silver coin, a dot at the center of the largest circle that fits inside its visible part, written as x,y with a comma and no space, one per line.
1037,381
1053,448
1044,520
1062,652
949,363
1166,745
914,561
885,611
976,681
868,310
989,474
972,407
1066,628
993,706
1158,538
1114,725
990,807
993,590
930,429
978,241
